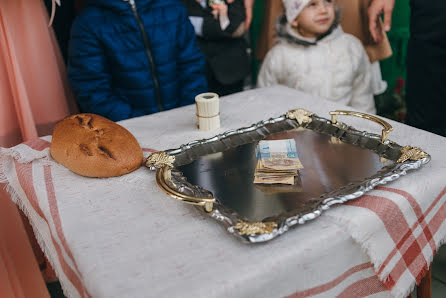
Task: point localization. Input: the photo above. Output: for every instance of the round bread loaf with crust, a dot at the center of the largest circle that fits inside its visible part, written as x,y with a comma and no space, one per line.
93,146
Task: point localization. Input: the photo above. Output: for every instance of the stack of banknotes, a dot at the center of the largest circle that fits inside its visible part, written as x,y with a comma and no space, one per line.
277,162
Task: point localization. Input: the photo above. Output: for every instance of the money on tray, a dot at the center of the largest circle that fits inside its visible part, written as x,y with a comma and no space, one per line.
277,162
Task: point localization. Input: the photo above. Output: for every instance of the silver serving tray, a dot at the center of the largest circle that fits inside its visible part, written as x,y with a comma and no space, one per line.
341,164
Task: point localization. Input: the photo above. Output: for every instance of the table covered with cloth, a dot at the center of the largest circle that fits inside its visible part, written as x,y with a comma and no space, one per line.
124,237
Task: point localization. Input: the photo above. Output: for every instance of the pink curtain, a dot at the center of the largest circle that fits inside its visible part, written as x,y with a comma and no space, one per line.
34,92
19,273
34,95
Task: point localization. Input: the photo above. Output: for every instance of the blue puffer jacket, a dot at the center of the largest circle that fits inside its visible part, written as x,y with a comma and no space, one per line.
110,67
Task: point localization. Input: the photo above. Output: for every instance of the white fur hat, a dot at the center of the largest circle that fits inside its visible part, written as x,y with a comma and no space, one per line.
293,8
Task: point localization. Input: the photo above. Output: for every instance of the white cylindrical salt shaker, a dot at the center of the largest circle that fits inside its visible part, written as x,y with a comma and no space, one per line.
208,111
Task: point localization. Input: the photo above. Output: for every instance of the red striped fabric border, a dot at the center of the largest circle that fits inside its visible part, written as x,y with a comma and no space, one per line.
54,211
409,246
397,228
418,212
332,284
364,287
25,177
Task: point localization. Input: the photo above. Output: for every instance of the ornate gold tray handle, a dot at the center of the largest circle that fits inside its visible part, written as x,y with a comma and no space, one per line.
387,128
407,152
175,185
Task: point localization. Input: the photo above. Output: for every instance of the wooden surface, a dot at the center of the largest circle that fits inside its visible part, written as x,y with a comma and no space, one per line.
424,290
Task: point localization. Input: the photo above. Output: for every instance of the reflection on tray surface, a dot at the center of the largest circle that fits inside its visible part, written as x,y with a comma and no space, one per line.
327,166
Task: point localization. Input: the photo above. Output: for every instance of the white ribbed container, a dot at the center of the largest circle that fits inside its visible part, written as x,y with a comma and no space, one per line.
208,111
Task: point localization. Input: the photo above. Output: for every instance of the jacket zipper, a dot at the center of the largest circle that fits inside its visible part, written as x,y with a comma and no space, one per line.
149,55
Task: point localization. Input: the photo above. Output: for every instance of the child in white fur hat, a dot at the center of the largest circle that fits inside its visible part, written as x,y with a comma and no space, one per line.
315,56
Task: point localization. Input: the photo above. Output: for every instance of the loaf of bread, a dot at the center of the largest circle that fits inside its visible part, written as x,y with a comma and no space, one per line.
93,146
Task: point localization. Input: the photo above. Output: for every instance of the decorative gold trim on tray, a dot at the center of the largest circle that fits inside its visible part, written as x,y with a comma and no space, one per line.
302,116
248,228
159,160
411,153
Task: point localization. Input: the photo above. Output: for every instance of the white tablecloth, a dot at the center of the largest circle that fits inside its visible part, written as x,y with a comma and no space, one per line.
123,237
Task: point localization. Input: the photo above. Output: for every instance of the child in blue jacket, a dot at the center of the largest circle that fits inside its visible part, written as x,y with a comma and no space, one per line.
131,58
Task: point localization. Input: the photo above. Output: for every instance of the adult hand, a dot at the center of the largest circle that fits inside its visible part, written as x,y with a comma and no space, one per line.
249,4
377,8
219,10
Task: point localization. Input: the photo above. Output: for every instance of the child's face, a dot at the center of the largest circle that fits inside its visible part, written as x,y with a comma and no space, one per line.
315,19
